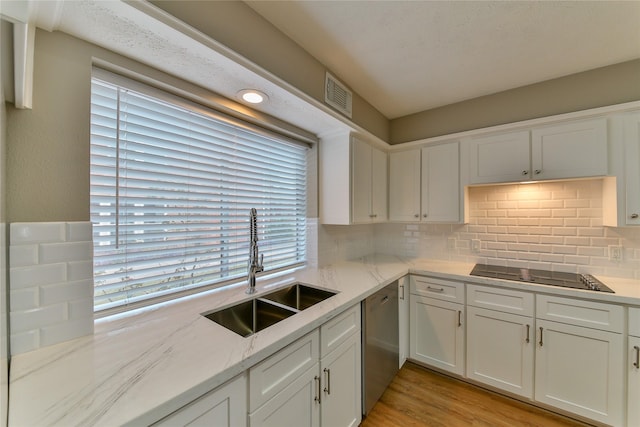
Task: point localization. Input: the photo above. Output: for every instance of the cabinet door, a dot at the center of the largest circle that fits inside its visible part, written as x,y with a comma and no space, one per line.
580,370
298,404
224,406
441,183
436,333
379,173
500,349
633,396
632,169
570,150
404,186
403,320
341,373
499,158
361,186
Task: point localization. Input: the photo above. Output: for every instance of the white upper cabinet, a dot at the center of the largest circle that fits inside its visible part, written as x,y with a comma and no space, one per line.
353,181
569,150
404,185
441,183
573,149
621,191
424,184
499,158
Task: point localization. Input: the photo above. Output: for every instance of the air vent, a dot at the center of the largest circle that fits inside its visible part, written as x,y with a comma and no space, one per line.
337,95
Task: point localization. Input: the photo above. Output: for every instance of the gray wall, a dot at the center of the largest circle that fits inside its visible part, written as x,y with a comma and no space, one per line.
600,87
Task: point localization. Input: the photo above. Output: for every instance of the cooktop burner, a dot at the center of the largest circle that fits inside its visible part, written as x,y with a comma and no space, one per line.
543,277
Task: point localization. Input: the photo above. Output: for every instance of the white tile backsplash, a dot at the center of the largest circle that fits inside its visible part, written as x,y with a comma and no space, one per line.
51,283
555,225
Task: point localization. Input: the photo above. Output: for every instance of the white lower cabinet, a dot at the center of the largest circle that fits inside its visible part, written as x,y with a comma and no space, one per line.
341,403
224,406
403,320
315,381
500,349
633,373
579,369
295,405
500,338
436,330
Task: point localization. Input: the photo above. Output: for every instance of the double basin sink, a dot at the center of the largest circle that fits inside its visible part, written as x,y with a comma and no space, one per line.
249,317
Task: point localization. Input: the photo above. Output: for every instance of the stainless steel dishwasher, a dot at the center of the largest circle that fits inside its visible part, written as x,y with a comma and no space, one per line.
379,344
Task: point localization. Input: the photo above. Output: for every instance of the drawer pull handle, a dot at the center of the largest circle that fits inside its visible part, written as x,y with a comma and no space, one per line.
317,398
540,337
402,287
637,362
417,215
528,328
459,318
634,216
525,172
435,289
538,171
327,373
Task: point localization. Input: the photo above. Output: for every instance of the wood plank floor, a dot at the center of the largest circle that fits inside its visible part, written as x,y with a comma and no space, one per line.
421,397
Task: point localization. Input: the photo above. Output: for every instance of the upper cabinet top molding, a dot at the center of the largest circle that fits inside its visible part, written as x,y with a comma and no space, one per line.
523,125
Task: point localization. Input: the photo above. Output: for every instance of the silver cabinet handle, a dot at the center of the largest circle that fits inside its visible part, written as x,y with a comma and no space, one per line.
540,337
525,172
637,362
459,318
373,216
538,171
327,374
317,398
435,289
634,216
528,328
402,287
425,215
416,216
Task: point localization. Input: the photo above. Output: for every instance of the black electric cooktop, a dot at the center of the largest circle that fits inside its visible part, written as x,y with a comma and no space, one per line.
542,277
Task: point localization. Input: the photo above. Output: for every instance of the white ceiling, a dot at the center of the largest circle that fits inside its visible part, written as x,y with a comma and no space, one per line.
408,56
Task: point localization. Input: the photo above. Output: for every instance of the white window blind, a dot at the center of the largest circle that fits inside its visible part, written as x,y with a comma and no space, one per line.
171,189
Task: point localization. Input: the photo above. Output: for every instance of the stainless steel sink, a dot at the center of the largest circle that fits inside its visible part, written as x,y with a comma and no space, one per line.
249,317
299,296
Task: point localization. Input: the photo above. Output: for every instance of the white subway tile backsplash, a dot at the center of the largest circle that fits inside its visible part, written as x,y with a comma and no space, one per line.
50,282
64,252
63,332
551,225
78,270
66,291
23,255
37,232
25,320
24,299
25,277
25,341
78,232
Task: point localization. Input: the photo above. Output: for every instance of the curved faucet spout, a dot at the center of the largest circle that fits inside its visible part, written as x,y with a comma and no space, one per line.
255,260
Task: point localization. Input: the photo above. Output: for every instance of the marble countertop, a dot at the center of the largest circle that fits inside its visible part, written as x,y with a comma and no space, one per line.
141,366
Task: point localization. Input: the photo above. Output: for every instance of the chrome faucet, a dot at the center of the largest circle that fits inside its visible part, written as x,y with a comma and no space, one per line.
255,266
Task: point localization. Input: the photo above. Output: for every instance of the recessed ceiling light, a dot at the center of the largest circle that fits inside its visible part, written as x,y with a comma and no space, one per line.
252,96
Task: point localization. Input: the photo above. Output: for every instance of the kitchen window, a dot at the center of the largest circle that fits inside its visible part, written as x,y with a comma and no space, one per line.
172,183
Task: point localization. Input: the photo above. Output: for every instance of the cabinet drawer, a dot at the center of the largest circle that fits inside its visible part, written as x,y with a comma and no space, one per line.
634,321
505,300
339,329
596,315
273,374
446,290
